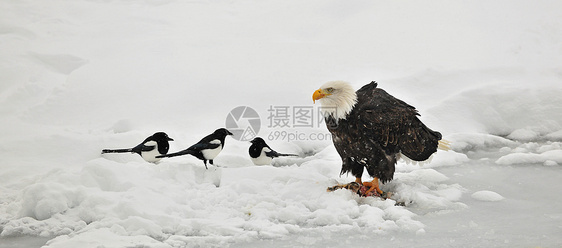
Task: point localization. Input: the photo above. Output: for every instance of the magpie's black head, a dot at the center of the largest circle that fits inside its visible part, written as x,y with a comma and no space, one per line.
258,141
161,136
222,132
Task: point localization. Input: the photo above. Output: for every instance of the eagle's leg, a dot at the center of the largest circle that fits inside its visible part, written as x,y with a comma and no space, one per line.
374,185
358,180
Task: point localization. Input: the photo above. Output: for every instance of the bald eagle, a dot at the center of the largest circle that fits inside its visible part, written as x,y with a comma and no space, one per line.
371,129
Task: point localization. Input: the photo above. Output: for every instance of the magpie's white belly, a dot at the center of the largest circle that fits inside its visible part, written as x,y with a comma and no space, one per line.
262,159
150,156
210,154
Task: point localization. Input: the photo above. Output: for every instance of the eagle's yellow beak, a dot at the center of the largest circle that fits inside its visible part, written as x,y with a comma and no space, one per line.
319,94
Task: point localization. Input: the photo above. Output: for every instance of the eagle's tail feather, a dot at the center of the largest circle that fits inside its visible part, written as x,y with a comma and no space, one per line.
444,145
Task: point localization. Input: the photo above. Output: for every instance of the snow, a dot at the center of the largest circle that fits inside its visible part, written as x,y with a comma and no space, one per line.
533,153
486,195
81,76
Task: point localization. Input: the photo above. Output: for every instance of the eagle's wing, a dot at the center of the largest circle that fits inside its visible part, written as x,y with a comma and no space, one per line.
393,124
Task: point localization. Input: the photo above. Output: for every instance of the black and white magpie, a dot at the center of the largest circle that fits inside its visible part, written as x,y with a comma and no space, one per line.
149,149
206,149
262,154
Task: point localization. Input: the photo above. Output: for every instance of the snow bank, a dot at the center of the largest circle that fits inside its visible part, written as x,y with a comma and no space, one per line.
434,194
110,236
512,109
181,204
440,159
486,195
464,142
549,154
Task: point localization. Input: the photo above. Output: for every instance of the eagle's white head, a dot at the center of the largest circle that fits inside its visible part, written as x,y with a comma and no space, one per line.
337,98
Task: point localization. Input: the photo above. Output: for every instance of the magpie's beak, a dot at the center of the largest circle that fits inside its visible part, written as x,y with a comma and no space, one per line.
170,139
319,94
228,132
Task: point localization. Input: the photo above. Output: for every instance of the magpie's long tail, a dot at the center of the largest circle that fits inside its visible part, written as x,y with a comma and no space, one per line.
175,154
286,155
116,150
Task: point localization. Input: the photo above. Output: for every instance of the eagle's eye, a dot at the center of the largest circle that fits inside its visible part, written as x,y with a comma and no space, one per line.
330,90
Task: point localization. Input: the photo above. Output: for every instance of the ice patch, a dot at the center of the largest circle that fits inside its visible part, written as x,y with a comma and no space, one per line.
524,135
440,159
426,189
550,163
531,158
555,135
103,237
463,142
532,153
486,195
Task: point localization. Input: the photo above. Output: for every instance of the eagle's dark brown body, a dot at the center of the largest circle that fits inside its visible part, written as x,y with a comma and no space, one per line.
377,129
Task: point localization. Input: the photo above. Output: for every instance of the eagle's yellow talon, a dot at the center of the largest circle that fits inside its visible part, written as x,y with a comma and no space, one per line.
373,185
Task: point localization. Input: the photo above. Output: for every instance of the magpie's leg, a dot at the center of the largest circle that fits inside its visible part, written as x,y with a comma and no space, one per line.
211,161
205,161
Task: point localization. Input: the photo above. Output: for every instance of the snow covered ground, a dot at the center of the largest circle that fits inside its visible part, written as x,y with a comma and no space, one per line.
80,76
